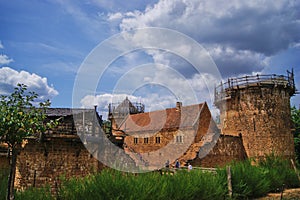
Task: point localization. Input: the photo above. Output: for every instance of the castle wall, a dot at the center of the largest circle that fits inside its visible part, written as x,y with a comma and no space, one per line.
227,149
43,163
262,116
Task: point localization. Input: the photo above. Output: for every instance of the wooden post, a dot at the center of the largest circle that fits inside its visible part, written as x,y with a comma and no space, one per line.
295,168
34,178
229,181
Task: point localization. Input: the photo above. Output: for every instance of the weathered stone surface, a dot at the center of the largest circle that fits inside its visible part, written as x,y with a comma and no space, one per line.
261,115
44,162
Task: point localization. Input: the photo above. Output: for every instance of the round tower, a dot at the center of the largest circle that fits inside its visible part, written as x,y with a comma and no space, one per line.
258,109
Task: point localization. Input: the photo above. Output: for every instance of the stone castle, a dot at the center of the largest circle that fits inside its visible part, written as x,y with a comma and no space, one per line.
254,121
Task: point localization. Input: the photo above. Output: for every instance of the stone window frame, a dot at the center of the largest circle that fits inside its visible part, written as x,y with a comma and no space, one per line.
157,140
146,140
135,140
179,139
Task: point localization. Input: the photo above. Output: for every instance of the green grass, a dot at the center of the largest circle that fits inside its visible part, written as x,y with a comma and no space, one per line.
248,182
110,184
280,173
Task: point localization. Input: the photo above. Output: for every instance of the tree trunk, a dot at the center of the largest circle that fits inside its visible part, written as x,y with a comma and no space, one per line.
12,174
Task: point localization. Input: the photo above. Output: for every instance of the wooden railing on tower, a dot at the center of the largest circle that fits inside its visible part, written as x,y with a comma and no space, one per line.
223,91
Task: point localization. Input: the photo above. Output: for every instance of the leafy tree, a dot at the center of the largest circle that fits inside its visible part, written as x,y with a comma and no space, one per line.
106,126
296,121
20,117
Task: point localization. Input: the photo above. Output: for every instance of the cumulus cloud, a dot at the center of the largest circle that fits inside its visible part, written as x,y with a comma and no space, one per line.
251,30
156,90
4,59
9,78
240,36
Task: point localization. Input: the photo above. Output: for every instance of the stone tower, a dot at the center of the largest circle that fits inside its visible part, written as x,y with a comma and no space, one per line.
258,109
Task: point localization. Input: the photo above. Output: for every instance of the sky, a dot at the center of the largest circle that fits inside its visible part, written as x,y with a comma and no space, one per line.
93,52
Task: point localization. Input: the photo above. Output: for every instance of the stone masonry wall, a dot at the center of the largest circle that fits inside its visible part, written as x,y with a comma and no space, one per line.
262,116
227,149
44,162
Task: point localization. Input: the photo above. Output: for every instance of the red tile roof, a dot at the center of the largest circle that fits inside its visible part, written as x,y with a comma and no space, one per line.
171,118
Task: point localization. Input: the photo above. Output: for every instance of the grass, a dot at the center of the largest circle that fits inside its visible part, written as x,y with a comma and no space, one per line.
110,184
248,182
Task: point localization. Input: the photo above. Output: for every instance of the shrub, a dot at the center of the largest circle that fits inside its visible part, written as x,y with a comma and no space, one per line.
35,193
110,184
3,183
249,181
279,172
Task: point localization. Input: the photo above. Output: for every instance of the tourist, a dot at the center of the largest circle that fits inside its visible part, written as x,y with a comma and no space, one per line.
190,167
167,164
177,164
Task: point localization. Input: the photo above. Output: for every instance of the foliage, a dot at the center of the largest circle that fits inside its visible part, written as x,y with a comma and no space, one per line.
20,118
106,125
3,183
248,182
110,184
296,120
36,194
279,172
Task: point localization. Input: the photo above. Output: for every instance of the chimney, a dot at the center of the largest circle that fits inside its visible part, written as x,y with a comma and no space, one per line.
178,105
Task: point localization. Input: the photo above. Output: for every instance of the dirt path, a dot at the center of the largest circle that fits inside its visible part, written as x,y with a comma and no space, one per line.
291,194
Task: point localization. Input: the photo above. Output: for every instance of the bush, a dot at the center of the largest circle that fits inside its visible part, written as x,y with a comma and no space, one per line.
279,172
3,183
35,193
249,181
110,184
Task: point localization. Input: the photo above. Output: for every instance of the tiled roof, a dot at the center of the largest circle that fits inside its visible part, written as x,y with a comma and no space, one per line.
171,118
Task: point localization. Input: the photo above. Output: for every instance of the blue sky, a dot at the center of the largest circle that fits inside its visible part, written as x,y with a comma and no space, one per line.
44,43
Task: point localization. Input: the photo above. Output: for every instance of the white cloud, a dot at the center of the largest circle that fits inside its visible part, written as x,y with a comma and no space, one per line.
9,78
1,45
247,32
240,36
115,16
151,101
4,59
157,89
230,60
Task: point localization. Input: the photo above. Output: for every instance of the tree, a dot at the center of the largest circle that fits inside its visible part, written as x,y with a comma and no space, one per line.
296,120
20,116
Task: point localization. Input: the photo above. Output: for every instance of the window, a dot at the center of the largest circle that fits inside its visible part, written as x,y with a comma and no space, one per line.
157,140
146,140
135,140
179,139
